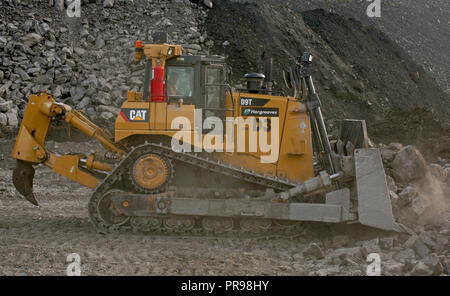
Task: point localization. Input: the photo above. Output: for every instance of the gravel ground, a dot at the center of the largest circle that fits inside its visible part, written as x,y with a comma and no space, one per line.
37,240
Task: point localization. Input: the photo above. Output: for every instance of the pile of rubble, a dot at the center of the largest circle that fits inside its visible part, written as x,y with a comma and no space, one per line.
420,192
84,61
420,195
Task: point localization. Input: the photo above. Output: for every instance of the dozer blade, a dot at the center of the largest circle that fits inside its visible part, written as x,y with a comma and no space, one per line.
23,176
374,202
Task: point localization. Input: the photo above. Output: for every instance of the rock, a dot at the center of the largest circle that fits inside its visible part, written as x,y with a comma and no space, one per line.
4,107
12,117
427,239
99,42
326,271
31,39
387,243
43,79
49,44
79,51
433,262
406,254
5,87
23,75
44,28
106,116
439,172
395,146
420,248
193,46
368,247
391,184
409,164
395,268
77,93
84,102
393,196
406,196
113,110
84,33
420,204
421,269
108,3
345,252
3,119
314,251
104,98
340,240
446,265
357,85
57,92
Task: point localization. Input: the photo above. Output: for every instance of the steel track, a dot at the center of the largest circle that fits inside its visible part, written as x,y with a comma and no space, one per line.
120,169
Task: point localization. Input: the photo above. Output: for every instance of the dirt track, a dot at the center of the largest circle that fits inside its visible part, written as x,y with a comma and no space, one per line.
37,240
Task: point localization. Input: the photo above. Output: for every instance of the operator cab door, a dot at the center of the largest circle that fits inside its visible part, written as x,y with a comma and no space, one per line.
214,92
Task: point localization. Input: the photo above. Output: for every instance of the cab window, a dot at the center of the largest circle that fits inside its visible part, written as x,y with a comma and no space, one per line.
214,89
180,81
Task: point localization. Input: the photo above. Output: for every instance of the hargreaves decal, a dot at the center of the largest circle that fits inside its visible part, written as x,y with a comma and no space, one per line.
134,115
260,112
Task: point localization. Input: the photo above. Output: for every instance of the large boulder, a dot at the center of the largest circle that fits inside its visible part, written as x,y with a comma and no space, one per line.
408,165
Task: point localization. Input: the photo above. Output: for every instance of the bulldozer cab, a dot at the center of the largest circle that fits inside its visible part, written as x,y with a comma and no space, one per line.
197,80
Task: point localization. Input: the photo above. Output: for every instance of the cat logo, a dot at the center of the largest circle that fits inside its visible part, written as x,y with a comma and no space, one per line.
134,115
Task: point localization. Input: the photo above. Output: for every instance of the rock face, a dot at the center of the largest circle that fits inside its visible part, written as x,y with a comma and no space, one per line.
85,62
348,87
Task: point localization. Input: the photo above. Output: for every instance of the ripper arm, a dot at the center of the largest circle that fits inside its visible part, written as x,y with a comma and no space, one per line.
30,148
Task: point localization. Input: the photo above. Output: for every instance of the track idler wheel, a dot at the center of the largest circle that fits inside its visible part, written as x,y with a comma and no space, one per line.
109,213
151,173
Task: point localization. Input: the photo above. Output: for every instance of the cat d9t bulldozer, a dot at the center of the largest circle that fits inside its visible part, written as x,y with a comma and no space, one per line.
170,167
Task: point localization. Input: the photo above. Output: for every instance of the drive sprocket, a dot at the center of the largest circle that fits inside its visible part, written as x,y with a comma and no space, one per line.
151,173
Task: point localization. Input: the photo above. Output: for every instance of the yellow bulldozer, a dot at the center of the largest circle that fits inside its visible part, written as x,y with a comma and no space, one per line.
171,167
